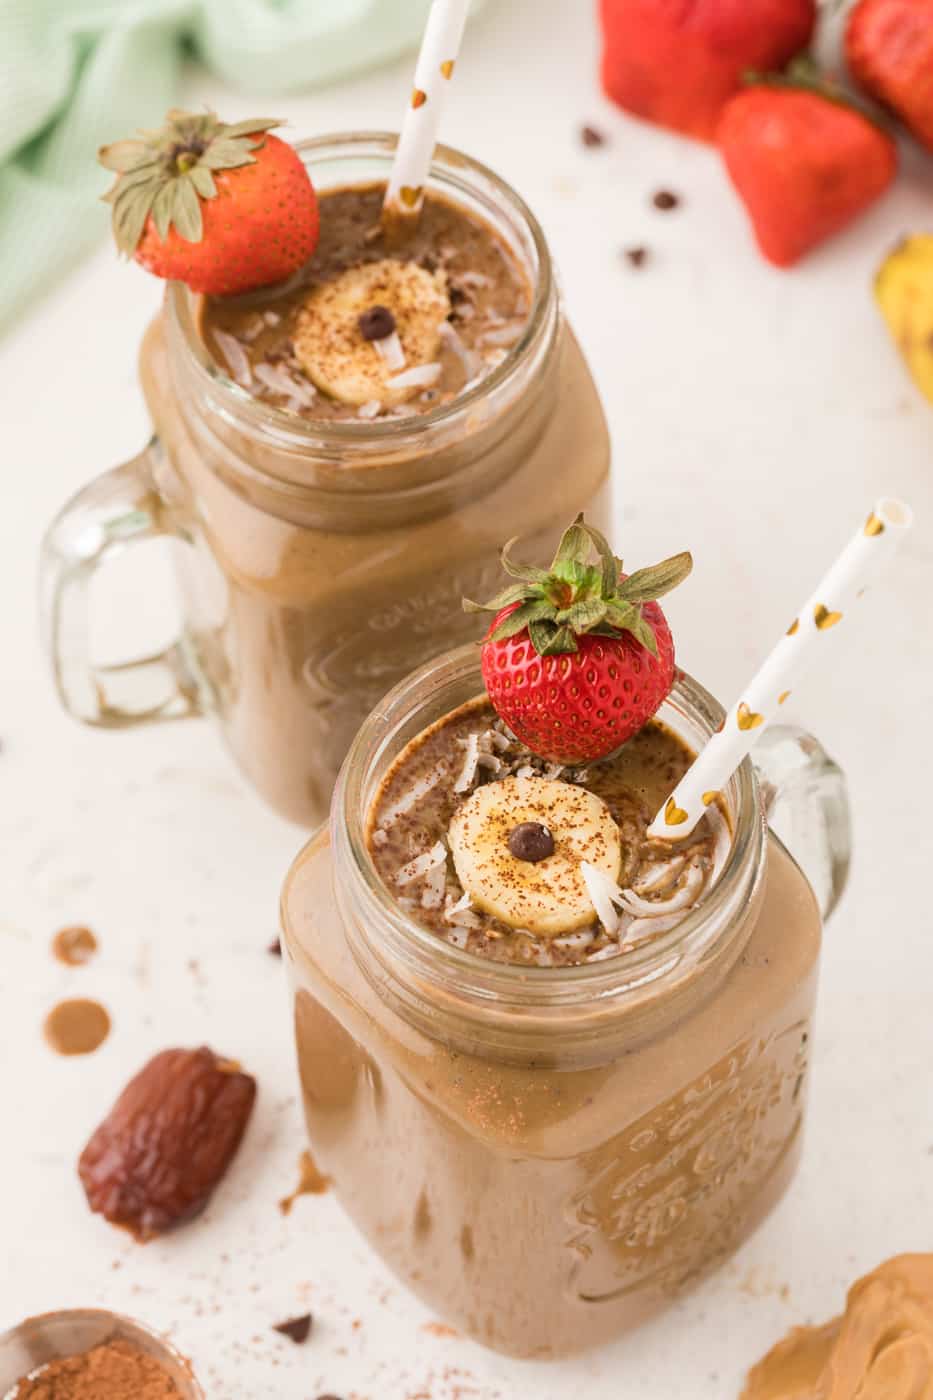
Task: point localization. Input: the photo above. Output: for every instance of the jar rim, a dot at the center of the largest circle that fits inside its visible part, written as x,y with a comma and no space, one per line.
451,170
693,940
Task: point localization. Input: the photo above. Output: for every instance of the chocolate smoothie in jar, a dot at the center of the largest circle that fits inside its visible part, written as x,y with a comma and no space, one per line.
339,459
555,1067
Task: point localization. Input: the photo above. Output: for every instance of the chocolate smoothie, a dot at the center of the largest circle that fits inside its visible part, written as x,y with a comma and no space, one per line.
323,553
464,268
547,1135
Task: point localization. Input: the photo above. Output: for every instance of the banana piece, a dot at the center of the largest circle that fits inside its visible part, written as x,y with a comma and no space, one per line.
904,292
548,897
331,347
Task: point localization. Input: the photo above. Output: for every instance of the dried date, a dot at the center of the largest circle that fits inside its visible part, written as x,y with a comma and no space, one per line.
168,1140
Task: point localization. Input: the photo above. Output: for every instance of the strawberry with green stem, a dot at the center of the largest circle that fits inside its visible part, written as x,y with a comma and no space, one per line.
579,656
225,208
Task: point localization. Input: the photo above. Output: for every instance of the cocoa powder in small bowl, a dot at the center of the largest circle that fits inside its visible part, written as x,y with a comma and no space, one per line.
115,1370
91,1354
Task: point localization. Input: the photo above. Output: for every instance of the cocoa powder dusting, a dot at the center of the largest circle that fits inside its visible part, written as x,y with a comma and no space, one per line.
74,945
114,1371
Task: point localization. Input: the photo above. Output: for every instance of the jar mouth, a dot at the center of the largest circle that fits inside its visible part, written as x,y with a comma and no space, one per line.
424,697
466,181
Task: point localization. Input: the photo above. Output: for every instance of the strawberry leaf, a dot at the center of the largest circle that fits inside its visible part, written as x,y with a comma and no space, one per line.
644,585
643,633
550,640
574,546
515,593
528,572
186,214
583,616
536,610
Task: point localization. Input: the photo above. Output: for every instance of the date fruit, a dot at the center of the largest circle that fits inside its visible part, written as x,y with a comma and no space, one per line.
167,1141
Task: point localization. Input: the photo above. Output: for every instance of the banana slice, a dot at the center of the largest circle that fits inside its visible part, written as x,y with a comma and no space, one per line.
550,896
331,347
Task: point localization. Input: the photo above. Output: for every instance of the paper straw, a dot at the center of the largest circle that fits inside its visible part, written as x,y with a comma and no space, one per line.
750,716
433,71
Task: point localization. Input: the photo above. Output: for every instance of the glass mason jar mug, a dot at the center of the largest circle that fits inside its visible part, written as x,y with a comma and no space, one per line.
546,1155
320,562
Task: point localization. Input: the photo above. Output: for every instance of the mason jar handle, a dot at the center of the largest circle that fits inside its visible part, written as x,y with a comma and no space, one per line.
119,509
807,804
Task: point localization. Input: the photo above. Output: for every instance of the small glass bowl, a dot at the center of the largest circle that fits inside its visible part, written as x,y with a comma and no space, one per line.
39,1340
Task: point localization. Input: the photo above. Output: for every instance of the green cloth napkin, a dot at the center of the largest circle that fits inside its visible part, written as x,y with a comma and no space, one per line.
75,74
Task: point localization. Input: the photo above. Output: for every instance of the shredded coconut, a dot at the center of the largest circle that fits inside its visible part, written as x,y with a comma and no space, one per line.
236,357
414,794
468,771
419,376
681,898
370,409
605,894
380,837
390,351
435,858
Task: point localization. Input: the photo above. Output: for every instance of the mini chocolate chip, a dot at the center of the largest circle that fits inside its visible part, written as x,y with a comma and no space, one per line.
297,1329
275,948
636,256
376,323
591,137
665,200
531,841
456,295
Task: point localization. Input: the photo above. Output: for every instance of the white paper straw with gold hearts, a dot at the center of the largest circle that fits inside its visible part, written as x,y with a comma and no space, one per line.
759,703
433,72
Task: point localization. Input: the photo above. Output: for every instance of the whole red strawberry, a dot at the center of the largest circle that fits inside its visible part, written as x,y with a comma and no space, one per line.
889,47
677,62
223,208
805,165
579,656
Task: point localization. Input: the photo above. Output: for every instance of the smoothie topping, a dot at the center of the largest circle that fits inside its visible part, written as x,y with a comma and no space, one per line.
373,334
531,841
376,323
545,896
579,656
224,208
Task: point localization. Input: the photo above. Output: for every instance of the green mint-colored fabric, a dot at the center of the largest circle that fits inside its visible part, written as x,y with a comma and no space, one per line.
75,74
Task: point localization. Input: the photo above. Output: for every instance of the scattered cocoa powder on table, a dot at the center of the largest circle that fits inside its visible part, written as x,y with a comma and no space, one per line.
113,1371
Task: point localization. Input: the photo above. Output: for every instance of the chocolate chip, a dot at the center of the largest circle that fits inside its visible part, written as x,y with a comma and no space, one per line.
457,295
591,137
275,948
297,1329
636,256
376,323
665,200
531,841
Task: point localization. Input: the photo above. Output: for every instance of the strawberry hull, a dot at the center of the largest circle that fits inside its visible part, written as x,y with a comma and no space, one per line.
677,62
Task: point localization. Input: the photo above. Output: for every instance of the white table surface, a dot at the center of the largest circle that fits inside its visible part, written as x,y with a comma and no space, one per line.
755,416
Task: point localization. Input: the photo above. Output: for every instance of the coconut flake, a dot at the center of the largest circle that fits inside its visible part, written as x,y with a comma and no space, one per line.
390,351
271,318
501,335
611,950
575,942
459,937
435,885
370,409
474,279
605,895
414,794
526,771
380,837
682,898
299,392
468,771
418,377
553,770
433,859
655,877
469,359
236,357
